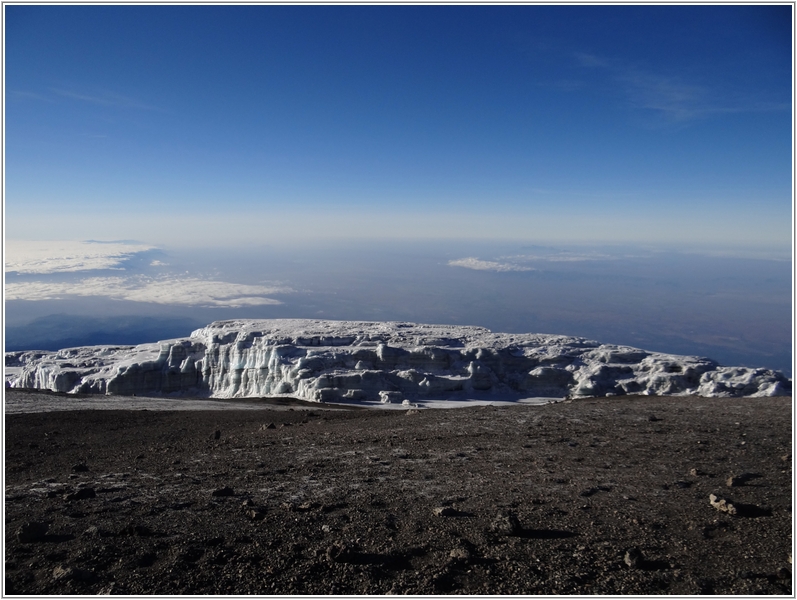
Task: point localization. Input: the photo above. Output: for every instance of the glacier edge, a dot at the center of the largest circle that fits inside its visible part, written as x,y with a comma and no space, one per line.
379,362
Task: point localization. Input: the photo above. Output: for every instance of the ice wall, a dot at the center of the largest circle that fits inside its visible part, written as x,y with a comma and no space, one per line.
330,361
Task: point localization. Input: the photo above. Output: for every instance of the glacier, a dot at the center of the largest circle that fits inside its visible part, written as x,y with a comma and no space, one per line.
383,363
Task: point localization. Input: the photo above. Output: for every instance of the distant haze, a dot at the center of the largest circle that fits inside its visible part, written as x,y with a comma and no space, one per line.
733,309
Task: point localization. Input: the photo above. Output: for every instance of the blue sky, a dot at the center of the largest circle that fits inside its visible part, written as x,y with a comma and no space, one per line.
237,124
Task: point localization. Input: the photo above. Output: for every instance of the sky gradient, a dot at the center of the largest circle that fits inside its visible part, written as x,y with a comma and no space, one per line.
221,125
622,173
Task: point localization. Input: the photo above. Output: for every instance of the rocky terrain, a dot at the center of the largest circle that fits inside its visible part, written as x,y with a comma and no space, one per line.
621,495
379,362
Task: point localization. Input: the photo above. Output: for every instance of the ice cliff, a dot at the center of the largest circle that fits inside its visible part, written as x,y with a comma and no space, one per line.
329,361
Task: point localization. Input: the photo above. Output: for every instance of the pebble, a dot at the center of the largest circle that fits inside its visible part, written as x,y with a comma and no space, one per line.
737,480
722,504
633,558
445,511
506,523
460,554
92,531
339,552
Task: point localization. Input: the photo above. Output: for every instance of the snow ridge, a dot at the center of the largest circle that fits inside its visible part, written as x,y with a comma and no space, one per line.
379,362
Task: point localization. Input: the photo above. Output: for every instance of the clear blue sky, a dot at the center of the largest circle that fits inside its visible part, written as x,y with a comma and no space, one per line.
236,123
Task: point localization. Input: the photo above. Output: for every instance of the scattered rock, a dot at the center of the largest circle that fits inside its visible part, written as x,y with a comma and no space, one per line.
460,553
32,531
634,558
269,426
340,552
594,490
303,507
722,504
92,531
737,480
256,514
81,494
225,491
365,539
108,589
506,523
80,468
61,573
739,509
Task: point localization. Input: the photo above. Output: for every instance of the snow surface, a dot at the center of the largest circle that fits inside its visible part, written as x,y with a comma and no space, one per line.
392,364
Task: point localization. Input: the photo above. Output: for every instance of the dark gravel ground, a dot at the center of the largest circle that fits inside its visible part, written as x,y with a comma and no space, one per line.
604,496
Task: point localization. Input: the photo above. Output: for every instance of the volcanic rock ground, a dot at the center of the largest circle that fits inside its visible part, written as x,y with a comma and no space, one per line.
597,496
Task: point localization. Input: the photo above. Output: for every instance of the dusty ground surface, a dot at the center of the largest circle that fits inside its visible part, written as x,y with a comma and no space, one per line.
605,496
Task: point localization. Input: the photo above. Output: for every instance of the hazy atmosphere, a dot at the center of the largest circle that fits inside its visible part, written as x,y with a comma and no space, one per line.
621,173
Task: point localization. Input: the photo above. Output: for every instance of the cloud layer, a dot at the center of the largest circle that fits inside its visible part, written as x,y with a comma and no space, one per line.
520,262
183,291
41,258
44,264
487,265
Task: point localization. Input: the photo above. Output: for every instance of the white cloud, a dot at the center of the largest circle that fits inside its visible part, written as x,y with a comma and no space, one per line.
184,291
561,257
23,256
486,265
